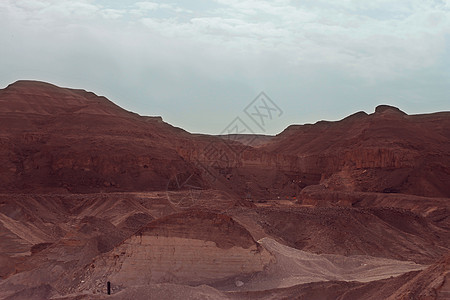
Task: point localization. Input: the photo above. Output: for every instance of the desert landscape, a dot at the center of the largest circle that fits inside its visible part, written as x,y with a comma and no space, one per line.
93,195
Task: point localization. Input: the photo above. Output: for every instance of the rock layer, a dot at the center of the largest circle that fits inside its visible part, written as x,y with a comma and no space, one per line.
189,248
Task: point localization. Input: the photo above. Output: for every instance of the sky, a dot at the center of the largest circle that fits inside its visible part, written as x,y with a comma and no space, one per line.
201,64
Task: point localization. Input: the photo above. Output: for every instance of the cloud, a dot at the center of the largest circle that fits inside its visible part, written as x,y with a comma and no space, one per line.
375,36
112,13
148,5
143,7
360,36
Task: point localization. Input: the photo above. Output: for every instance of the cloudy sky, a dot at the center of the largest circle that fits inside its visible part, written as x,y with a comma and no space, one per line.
200,63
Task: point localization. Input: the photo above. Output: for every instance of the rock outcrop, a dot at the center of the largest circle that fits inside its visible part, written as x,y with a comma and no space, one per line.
190,248
65,140
387,151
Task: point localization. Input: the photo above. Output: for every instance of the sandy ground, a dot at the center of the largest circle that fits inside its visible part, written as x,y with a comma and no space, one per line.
295,274
294,267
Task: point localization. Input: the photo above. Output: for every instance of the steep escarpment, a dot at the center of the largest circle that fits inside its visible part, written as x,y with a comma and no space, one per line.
387,151
413,150
66,140
57,139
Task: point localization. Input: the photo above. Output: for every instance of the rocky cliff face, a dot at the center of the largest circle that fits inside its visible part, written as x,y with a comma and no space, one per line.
66,140
191,247
387,151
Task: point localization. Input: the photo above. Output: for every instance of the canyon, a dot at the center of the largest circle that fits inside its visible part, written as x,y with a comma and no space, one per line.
91,193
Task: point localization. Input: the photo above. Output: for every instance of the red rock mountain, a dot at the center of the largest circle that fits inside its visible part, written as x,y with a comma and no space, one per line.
71,140
387,151
91,193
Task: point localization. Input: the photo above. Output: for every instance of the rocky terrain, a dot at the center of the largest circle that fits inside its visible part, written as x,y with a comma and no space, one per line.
91,193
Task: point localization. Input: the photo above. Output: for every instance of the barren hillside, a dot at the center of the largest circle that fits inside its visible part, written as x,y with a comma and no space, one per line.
92,193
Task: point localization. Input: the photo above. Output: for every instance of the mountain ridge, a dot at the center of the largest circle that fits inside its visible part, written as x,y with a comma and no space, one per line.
92,194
